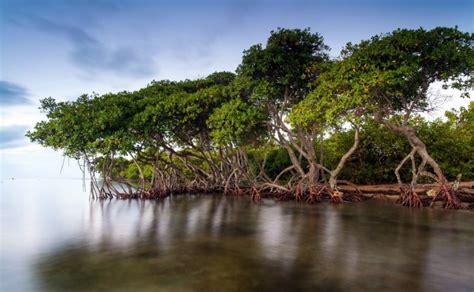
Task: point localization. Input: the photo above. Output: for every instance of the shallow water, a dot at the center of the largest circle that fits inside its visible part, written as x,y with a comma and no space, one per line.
54,239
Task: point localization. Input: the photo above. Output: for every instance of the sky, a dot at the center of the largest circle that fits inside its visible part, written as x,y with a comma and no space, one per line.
64,48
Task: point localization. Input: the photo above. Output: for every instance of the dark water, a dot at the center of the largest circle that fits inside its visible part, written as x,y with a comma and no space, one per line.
54,239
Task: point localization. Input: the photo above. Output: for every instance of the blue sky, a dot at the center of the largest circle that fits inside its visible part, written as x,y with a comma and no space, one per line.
65,48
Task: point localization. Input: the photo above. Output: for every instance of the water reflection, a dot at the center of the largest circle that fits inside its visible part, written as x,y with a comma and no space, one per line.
216,243
222,243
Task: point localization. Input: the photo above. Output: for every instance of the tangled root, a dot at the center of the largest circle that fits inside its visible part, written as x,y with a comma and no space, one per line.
282,195
255,195
298,193
238,191
410,198
448,195
149,194
315,194
233,191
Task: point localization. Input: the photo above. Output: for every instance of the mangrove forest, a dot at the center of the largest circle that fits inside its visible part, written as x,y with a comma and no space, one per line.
292,123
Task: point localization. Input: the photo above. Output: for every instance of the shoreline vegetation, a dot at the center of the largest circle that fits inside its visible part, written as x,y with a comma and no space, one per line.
291,123
349,193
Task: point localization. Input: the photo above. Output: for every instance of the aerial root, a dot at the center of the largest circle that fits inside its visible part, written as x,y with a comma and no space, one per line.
154,193
448,195
298,193
234,191
255,195
316,194
282,195
410,198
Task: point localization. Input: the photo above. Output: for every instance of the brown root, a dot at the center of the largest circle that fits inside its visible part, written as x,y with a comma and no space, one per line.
284,196
235,191
298,193
410,198
255,195
448,195
315,194
147,194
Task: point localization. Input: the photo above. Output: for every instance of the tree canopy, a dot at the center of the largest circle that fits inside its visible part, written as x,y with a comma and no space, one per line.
290,121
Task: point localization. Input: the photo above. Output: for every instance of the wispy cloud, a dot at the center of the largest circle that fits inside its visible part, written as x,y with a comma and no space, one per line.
91,55
12,94
12,136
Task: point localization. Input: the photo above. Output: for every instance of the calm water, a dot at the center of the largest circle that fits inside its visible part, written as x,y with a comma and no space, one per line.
54,239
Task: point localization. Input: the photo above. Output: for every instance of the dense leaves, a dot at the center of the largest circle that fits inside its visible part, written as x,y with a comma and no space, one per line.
281,72
291,117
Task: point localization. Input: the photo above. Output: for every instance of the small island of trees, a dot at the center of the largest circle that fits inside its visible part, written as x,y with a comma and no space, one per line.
291,123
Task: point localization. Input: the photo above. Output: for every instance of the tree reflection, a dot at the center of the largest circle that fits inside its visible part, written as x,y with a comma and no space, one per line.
218,243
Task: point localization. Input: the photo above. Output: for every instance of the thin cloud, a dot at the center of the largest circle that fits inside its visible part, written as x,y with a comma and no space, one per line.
90,54
12,136
12,94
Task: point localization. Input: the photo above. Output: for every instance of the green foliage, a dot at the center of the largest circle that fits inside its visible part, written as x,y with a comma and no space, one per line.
237,122
451,143
282,71
88,126
395,70
277,161
328,105
130,171
374,161
291,78
177,112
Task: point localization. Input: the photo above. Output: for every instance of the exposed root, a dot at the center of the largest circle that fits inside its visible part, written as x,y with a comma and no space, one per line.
234,191
298,193
410,198
448,195
315,194
149,194
255,195
282,195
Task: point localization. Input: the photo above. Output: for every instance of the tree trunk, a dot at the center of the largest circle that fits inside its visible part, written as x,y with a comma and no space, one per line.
336,196
312,175
142,177
445,192
342,162
421,150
